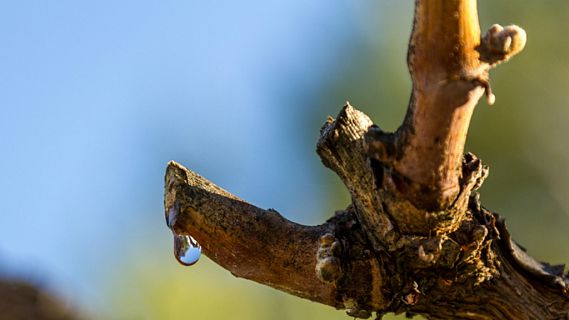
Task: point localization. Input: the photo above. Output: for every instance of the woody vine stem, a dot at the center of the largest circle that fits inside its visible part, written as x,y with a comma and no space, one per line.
415,238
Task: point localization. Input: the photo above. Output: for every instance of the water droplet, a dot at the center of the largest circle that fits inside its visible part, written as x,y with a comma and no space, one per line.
186,249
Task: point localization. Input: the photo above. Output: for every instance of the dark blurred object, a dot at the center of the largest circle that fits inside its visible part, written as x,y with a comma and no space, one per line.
20,300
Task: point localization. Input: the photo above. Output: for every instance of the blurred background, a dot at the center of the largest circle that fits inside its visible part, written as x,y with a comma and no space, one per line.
97,96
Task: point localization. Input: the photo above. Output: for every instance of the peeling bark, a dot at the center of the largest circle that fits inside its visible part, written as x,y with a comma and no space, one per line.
415,238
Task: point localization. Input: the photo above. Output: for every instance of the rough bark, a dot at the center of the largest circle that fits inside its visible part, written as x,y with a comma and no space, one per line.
415,238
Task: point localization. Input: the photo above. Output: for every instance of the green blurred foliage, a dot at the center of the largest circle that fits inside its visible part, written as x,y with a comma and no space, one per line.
522,138
162,289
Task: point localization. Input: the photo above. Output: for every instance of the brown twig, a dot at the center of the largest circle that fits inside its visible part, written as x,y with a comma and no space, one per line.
415,238
261,245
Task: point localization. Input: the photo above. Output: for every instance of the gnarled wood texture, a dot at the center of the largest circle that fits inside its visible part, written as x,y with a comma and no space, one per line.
262,246
415,238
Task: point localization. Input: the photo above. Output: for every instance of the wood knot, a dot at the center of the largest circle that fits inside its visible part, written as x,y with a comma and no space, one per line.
328,263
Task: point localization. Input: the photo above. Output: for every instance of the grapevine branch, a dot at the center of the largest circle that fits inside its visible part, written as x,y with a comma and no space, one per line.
415,238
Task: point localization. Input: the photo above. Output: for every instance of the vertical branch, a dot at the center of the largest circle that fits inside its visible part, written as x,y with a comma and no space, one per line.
448,80
444,40
449,64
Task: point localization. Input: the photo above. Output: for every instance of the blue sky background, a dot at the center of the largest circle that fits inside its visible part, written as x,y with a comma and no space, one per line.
97,96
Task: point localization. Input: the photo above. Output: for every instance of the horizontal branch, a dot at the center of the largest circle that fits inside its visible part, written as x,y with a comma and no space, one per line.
262,246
